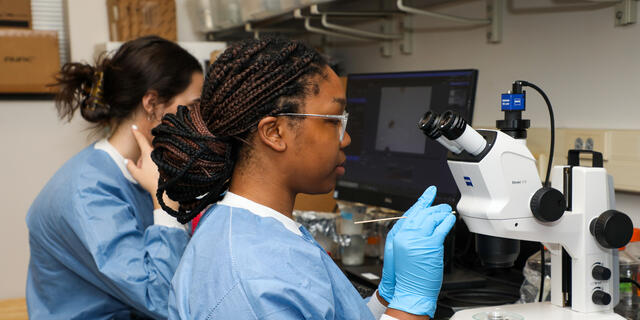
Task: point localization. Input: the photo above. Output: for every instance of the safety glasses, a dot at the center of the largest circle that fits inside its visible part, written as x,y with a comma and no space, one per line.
343,119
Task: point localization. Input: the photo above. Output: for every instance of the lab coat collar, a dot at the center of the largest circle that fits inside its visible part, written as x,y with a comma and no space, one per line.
233,200
107,147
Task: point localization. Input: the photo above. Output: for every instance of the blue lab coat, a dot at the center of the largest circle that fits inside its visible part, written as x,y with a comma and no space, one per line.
247,261
95,252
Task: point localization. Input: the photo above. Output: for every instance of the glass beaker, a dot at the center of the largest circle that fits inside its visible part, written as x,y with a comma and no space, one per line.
352,240
352,249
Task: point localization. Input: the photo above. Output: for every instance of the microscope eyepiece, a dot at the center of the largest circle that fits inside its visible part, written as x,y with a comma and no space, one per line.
452,125
454,128
430,125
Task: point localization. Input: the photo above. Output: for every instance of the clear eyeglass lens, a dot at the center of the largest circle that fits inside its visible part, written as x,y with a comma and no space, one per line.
343,129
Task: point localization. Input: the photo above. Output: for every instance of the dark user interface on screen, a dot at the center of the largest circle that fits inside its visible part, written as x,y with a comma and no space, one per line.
390,161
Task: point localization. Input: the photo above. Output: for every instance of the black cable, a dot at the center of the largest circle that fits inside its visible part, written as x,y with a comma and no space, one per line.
553,126
546,179
635,283
542,263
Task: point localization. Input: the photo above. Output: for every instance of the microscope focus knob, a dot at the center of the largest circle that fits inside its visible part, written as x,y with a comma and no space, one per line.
601,273
548,204
612,229
600,297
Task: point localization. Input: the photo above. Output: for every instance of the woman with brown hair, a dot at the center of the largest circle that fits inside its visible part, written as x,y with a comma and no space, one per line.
272,124
101,246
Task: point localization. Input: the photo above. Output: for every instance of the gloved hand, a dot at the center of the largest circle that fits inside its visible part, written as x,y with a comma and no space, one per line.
418,251
388,281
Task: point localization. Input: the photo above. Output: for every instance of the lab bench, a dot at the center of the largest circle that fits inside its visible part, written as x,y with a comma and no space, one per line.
461,287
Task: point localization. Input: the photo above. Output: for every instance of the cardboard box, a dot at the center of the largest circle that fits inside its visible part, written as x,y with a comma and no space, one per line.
130,19
316,202
29,60
15,14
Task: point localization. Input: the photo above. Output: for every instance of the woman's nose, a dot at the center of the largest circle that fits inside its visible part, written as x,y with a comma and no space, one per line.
346,140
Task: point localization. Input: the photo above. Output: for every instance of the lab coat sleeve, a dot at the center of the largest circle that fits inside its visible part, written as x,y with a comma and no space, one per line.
375,306
133,265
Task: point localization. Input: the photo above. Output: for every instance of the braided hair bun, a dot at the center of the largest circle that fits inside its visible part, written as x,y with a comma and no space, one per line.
195,166
196,149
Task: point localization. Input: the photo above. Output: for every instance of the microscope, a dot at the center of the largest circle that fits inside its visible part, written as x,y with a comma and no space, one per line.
503,196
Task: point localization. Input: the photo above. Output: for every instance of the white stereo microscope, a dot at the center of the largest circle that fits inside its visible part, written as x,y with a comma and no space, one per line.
502,196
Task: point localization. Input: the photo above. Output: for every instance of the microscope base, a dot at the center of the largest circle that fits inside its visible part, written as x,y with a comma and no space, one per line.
543,310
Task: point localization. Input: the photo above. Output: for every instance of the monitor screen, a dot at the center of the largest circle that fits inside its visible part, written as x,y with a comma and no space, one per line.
390,162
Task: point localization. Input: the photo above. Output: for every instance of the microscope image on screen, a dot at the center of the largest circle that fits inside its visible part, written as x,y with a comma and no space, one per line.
395,104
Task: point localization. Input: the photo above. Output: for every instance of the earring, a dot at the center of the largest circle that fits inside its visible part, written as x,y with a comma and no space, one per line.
149,117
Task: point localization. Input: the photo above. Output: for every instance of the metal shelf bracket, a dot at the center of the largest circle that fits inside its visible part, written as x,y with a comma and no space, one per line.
332,26
248,27
495,9
406,46
626,12
493,20
307,25
386,35
315,10
404,8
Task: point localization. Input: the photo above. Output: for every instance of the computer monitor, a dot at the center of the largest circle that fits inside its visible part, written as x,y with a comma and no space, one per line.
390,162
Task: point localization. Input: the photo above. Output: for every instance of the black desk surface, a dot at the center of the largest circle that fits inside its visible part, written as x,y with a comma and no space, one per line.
460,288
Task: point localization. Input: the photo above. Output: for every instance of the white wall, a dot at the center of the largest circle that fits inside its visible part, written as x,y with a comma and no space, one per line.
629,203
35,143
588,68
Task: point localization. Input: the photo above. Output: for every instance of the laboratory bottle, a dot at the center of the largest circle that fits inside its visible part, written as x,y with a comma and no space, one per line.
530,289
629,306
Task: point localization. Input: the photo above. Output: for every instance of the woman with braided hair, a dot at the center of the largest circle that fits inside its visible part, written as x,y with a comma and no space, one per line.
271,124
101,246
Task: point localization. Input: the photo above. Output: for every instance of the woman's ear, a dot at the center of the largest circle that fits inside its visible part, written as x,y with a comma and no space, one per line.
270,132
149,102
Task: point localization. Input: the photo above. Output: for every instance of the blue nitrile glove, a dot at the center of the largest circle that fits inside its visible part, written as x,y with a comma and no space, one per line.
418,251
388,281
